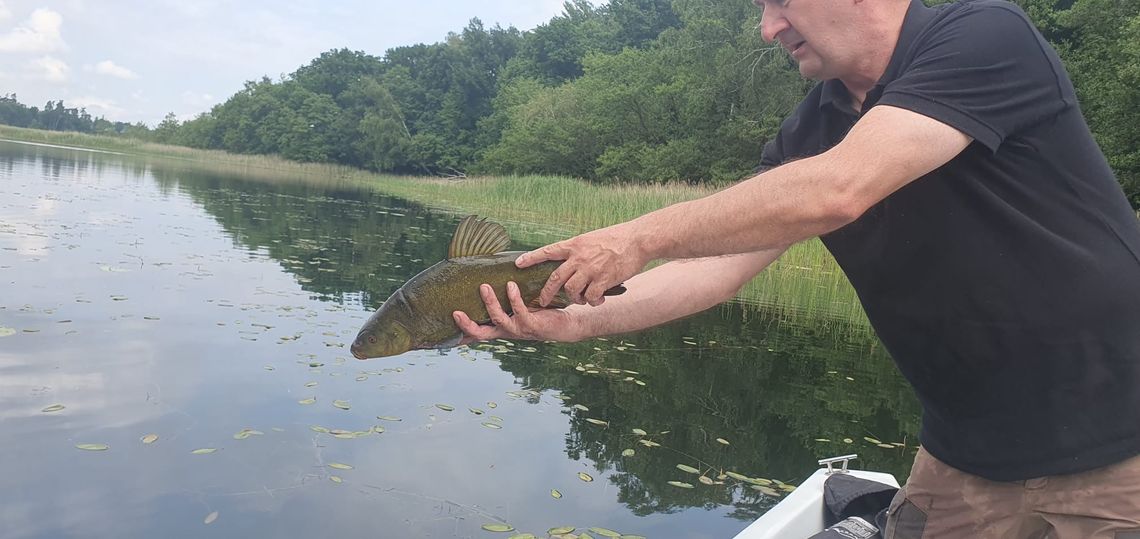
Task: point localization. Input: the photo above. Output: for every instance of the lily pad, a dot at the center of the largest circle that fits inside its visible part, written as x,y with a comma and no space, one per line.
639,432
680,484
336,479
149,438
388,418
723,441
210,518
92,447
7,332
492,425
687,468
340,466
605,533
560,530
204,451
445,407
555,494
53,408
598,422
585,477
498,527
628,453
343,405
309,400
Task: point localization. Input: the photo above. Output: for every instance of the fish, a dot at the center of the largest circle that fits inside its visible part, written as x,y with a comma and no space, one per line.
418,314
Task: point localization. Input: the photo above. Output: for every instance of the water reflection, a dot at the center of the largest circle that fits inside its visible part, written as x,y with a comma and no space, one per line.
157,298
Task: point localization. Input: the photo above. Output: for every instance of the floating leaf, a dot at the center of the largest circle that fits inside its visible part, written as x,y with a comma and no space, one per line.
475,411
445,407
310,384
7,332
93,447
649,443
768,491
523,536
639,432
848,440
310,400
555,494
598,422
203,451
686,468
320,429
336,479
705,480
680,484
340,466
585,477
210,518
497,528
723,441
388,418
149,438
822,440
343,405
492,404
872,440
560,530
491,425
605,533
627,453
53,408
886,446
580,407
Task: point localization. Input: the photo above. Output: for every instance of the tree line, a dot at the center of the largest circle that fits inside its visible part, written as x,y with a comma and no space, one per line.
630,91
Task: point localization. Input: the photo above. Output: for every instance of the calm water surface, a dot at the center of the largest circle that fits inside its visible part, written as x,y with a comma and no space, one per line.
147,298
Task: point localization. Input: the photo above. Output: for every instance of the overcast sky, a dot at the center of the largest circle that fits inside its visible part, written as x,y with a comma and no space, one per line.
136,60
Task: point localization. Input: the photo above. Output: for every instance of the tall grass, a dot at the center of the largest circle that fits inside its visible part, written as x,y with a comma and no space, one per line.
805,282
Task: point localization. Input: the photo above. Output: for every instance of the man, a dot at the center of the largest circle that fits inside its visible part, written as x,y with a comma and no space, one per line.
943,160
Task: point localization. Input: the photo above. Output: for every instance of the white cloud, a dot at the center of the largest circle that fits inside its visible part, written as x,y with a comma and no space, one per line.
50,68
107,67
40,33
5,13
97,106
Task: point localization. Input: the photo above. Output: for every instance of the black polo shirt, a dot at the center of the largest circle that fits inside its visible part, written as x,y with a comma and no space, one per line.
1006,283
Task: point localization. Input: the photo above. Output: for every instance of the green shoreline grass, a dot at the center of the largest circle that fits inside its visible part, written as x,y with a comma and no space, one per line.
805,282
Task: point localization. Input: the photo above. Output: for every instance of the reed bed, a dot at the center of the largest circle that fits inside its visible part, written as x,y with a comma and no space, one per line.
805,282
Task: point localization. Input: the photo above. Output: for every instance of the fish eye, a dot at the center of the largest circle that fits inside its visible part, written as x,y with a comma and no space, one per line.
371,339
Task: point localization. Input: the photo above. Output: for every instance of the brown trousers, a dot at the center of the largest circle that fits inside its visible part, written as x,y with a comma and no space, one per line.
940,502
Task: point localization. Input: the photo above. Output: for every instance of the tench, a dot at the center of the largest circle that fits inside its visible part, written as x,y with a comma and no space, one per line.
418,314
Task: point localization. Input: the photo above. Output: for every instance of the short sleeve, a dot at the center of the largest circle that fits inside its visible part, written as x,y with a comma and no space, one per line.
985,71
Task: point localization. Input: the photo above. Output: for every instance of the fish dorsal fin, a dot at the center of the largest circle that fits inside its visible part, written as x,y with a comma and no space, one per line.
475,236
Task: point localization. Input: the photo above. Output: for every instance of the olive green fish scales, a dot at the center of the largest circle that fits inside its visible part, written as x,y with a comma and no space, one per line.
418,314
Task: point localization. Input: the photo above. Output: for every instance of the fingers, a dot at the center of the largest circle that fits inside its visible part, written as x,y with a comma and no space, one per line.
554,283
518,306
471,330
575,286
499,317
596,294
554,251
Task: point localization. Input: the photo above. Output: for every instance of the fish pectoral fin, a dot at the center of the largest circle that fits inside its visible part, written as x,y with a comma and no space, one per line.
449,343
475,236
561,300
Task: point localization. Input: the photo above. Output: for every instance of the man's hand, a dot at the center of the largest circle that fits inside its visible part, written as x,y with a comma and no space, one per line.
525,323
594,262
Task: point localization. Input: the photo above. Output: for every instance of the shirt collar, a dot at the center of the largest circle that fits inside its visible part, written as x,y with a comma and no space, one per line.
835,94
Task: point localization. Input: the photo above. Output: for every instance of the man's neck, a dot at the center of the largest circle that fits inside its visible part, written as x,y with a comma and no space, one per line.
884,33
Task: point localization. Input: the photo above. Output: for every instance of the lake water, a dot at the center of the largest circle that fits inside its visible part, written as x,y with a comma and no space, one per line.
151,298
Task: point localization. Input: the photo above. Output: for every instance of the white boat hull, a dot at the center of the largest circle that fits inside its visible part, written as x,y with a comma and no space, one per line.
801,514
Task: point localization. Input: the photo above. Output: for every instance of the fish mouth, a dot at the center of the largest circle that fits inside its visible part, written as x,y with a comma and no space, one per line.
356,353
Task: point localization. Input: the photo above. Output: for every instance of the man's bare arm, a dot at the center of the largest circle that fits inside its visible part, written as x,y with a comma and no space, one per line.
888,148
662,294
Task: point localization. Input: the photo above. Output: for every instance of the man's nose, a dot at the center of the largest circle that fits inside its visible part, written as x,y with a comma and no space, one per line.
772,22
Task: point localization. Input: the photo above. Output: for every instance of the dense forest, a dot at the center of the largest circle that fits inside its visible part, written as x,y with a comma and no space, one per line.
630,91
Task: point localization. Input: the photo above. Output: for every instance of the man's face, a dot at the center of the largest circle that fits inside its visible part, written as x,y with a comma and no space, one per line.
814,32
